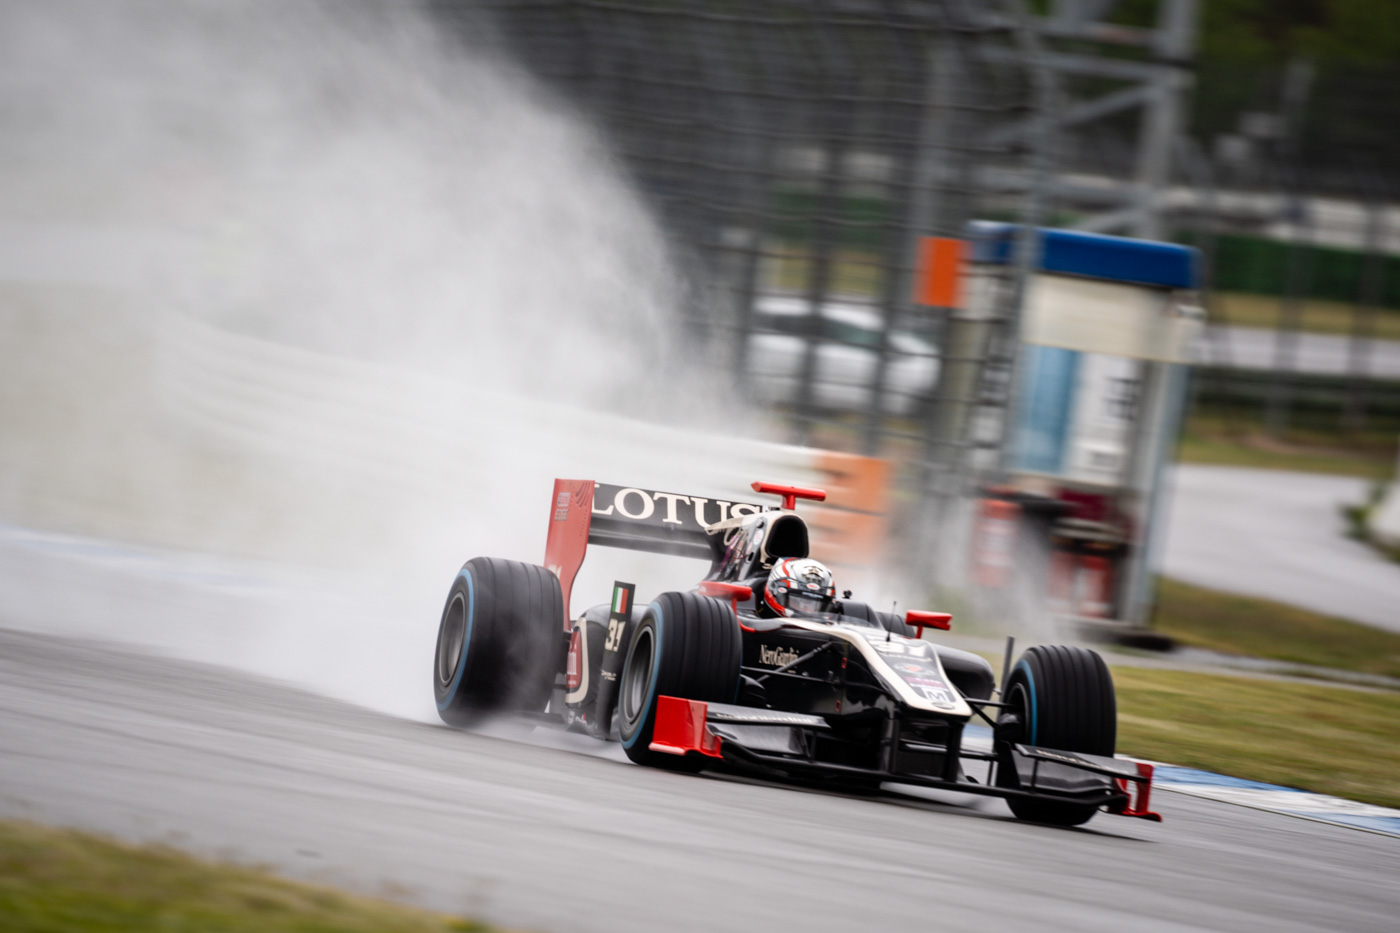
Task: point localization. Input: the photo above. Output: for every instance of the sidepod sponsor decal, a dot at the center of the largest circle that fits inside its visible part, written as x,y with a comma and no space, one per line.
778,657
920,673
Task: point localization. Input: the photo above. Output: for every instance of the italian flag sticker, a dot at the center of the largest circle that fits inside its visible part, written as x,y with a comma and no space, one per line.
620,595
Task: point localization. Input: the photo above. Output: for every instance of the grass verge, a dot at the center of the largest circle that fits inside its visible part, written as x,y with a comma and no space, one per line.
61,880
1215,439
1261,628
1325,739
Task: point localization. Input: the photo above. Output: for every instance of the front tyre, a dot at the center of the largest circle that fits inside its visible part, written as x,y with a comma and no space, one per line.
498,641
686,646
1057,697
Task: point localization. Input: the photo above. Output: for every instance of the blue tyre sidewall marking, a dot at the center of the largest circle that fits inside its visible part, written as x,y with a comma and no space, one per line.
655,670
739,681
466,640
1030,680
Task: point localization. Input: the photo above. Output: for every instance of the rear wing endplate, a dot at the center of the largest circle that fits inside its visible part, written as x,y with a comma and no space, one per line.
585,512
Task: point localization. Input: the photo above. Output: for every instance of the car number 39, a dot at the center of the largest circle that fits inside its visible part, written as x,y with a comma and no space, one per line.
615,629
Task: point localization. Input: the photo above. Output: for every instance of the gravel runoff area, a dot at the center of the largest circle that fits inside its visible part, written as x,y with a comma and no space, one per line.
1280,536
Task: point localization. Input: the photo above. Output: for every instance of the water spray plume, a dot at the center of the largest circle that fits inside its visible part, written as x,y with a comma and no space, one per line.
311,284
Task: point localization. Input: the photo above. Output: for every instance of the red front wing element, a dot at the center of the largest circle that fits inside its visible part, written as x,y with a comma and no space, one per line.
1139,794
680,728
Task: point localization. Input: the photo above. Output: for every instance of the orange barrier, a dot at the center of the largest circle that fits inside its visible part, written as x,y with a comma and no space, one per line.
850,531
938,277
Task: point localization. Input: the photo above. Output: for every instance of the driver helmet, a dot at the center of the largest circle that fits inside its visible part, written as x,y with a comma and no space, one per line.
799,584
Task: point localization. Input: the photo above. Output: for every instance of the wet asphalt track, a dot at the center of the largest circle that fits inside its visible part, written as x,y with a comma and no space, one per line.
1279,535
557,836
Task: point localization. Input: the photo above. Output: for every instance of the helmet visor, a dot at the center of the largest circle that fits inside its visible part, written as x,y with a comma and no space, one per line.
806,602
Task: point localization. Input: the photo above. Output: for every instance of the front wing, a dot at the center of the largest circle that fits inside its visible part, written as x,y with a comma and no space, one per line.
770,740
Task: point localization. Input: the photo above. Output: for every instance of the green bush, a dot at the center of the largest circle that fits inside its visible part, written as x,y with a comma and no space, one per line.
1259,266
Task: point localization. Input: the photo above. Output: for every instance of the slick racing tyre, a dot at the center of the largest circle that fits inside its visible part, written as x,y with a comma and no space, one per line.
1057,697
498,642
686,646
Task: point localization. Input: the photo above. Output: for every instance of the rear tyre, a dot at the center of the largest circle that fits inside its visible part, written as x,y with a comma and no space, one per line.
686,646
498,641
1057,697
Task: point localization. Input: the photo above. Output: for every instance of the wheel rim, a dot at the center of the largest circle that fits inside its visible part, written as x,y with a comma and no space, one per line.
450,639
1012,725
636,676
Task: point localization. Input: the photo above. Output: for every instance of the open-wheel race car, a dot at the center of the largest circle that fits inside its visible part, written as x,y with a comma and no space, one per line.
762,668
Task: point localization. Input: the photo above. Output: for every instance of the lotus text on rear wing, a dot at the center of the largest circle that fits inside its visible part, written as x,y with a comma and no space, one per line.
668,508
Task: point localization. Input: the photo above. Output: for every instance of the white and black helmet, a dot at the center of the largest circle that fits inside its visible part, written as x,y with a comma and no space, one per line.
799,584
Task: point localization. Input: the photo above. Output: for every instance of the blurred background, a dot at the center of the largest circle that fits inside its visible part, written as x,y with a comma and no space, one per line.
1085,313
798,155
334,290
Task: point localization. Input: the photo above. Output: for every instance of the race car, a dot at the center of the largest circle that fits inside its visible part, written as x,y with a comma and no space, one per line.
763,669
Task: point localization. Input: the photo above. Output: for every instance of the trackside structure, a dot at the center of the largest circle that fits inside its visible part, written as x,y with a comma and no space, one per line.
1108,327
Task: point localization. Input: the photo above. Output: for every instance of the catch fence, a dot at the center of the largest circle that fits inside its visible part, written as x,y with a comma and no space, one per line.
796,151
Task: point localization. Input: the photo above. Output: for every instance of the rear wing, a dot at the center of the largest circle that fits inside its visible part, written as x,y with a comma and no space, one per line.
585,512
